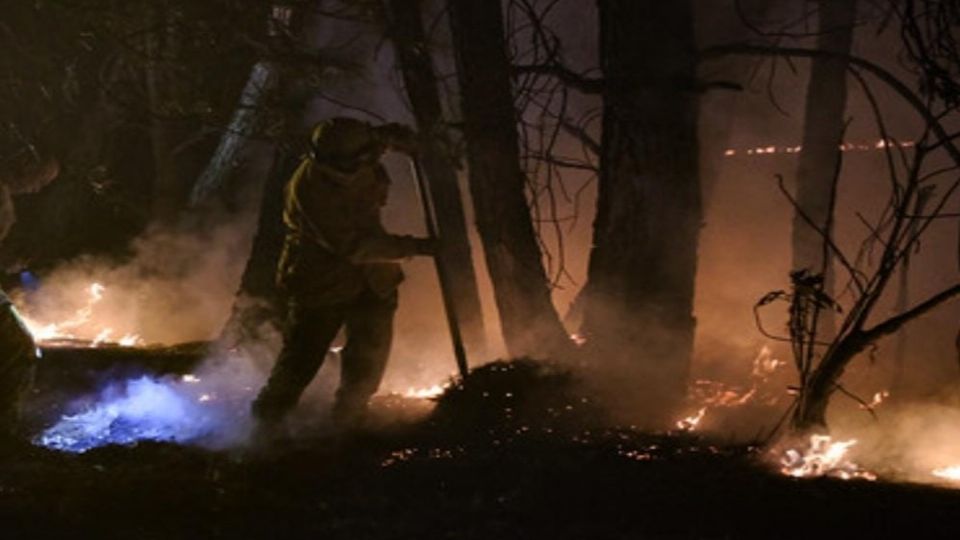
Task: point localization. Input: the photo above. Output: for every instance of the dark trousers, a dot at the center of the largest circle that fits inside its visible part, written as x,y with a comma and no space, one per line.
18,359
310,330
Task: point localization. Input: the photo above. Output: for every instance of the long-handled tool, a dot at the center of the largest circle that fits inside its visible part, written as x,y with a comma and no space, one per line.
432,232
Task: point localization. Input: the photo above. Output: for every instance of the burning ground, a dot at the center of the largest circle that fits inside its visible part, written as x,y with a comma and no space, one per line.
518,451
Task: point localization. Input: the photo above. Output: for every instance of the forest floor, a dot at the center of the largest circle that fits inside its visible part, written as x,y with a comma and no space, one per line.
506,456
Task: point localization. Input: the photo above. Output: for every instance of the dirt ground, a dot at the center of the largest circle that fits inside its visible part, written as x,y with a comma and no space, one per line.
481,465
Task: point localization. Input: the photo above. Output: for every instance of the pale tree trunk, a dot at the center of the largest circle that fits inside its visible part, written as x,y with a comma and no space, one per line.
822,136
258,309
529,321
639,310
421,86
247,121
250,116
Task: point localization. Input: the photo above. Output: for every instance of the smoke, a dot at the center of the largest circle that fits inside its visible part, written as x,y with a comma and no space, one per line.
207,408
177,286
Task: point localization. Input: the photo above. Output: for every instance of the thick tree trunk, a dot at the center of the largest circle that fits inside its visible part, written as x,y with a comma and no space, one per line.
822,136
531,326
258,308
247,121
167,129
421,85
643,263
250,117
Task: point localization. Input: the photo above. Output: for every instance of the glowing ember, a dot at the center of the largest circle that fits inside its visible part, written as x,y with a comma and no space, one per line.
948,473
690,423
431,392
845,147
878,398
102,337
710,394
130,340
765,364
823,457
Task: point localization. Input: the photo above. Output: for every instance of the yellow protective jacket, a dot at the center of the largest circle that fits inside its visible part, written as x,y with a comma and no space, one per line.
336,246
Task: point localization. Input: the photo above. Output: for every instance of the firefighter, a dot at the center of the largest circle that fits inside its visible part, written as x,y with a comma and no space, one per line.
18,352
339,268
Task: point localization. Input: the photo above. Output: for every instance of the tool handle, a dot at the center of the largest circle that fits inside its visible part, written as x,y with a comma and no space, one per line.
442,274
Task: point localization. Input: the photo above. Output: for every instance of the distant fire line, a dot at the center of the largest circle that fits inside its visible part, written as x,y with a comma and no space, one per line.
845,147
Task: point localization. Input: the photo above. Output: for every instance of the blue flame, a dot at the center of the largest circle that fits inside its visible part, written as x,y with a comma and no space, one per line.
143,409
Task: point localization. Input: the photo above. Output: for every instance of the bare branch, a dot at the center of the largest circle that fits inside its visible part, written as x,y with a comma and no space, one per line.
888,78
893,324
582,83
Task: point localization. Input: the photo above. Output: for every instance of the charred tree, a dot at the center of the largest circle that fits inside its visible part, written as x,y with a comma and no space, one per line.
822,136
895,233
258,306
165,97
642,267
278,94
423,92
247,121
252,112
529,321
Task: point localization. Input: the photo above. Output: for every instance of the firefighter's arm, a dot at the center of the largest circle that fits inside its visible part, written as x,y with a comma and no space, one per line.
382,247
366,243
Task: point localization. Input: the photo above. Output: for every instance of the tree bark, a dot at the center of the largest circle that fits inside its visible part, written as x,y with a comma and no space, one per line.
529,321
643,263
422,90
258,307
822,136
167,129
247,120
811,412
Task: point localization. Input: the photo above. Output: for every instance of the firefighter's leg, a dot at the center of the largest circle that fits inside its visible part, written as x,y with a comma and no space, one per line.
17,363
369,325
307,338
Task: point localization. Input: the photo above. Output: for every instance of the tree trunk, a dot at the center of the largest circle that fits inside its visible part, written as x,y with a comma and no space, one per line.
529,321
247,120
811,411
167,129
421,85
643,264
716,130
822,137
258,307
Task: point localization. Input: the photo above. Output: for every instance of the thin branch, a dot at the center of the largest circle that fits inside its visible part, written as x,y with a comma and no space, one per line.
891,80
893,324
587,85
